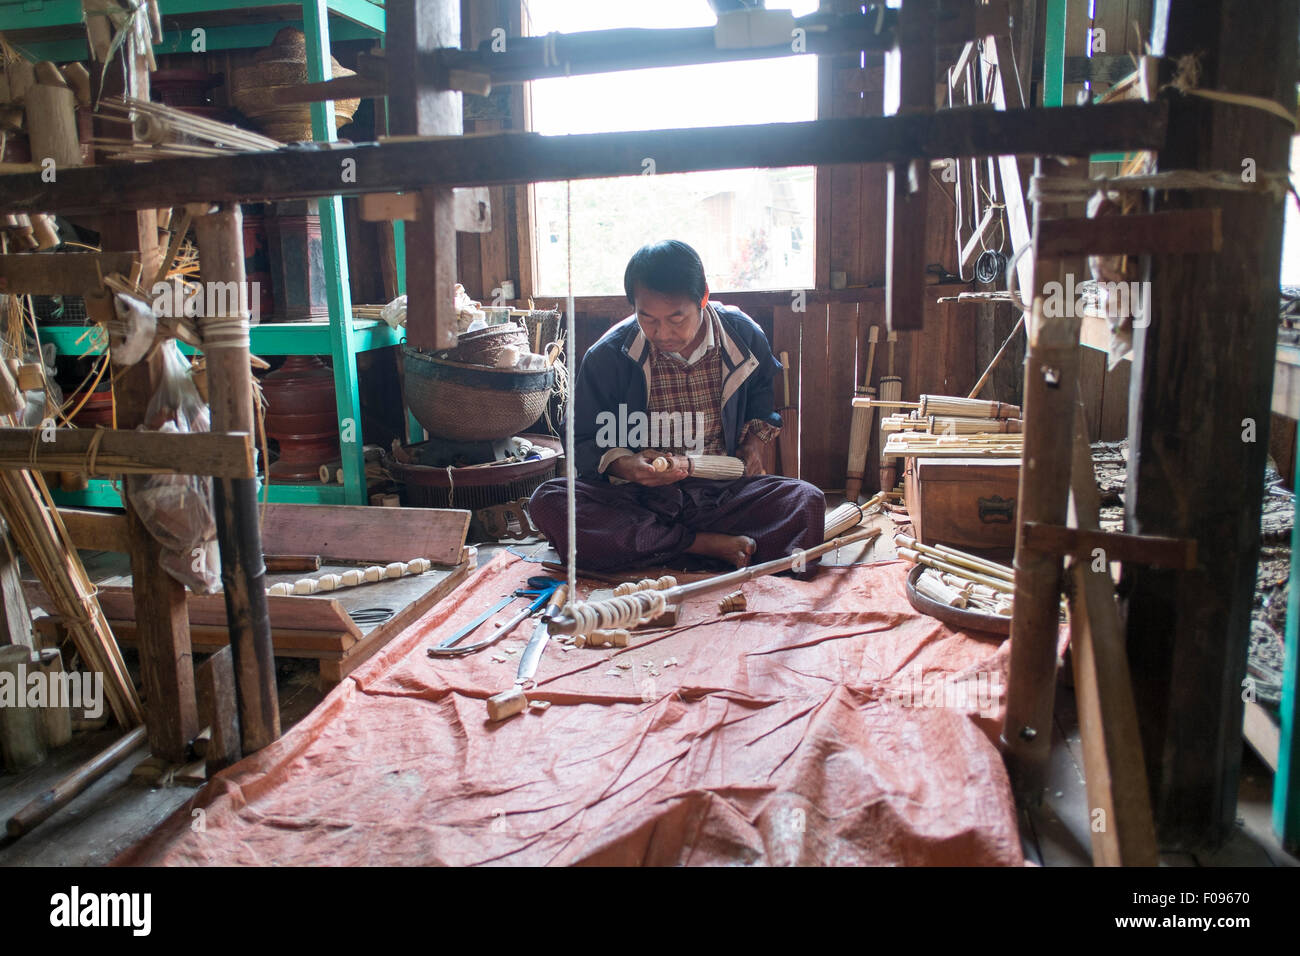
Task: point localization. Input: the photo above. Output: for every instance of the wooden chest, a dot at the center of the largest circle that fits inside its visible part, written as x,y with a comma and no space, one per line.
963,502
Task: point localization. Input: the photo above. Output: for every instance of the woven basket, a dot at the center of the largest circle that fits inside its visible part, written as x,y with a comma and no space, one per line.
483,347
472,402
430,487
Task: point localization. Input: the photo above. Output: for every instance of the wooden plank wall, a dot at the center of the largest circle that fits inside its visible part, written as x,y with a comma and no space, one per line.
831,344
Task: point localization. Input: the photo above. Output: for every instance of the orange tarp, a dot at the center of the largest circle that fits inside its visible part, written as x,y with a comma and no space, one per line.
830,723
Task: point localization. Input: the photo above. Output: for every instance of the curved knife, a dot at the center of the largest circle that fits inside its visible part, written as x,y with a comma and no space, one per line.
532,655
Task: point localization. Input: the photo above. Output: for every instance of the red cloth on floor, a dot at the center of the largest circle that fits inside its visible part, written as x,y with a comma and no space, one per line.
809,729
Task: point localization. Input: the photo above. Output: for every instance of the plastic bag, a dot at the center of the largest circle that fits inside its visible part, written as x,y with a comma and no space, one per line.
177,509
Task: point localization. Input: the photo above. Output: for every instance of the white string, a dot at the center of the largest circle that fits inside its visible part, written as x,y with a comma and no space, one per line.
224,332
570,469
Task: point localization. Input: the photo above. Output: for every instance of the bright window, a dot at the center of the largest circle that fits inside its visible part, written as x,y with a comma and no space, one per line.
752,227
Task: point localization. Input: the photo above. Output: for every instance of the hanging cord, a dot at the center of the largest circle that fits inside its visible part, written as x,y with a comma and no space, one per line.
570,467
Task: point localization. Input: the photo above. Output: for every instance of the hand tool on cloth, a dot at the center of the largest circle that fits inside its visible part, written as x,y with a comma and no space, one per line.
539,588
512,701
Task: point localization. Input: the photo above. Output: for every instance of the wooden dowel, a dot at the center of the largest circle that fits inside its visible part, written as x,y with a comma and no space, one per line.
918,557
77,782
283,563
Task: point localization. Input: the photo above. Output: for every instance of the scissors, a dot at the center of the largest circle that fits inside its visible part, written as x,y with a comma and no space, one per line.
538,588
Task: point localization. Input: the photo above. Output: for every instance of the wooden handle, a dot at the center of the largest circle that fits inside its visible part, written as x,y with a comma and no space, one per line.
893,339
785,374
557,599
872,338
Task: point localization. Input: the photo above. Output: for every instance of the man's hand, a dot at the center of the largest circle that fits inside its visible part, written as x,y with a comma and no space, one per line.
639,467
750,451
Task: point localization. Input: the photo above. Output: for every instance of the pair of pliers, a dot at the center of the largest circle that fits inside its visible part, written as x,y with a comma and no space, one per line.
539,588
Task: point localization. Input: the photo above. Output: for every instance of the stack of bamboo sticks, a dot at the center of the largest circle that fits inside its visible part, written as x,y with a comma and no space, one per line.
164,132
959,579
924,445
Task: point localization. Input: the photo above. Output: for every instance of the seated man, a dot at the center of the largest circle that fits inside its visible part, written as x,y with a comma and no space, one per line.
680,375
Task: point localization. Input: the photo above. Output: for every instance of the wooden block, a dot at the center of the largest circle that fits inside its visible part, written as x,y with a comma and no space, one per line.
214,682
1152,550
1172,232
56,717
359,533
21,728
96,530
71,273
472,207
378,207
667,619
192,774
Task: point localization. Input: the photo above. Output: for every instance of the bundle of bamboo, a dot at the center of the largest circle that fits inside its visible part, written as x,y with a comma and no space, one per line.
959,579
925,445
162,132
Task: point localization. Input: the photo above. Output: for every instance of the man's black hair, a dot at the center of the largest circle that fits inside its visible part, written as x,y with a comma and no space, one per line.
670,267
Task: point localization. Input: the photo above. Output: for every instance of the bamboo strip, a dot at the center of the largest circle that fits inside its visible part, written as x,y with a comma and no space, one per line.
39,533
953,556
916,557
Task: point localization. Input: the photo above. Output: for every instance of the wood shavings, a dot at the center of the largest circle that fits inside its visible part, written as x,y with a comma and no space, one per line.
671,662
614,673
623,665
539,705
499,659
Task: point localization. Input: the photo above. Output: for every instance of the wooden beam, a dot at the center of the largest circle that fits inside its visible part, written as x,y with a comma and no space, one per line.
1151,550
118,452
1051,371
909,88
1201,386
1119,807
96,530
243,574
421,105
63,273
511,157
167,670
1172,232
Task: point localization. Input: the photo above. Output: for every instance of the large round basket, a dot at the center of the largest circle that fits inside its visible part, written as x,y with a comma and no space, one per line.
471,402
957,617
474,488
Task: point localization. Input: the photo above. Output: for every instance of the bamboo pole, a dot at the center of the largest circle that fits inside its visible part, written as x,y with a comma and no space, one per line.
74,784
953,556
629,609
243,573
919,557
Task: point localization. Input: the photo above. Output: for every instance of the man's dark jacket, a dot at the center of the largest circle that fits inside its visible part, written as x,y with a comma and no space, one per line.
616,371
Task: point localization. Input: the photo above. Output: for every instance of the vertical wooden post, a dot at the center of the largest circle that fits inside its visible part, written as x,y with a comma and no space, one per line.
1119,806
1199,413
243,573
415,29
166,665
909,88
1051,371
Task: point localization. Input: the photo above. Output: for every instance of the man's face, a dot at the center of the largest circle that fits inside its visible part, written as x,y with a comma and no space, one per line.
671,322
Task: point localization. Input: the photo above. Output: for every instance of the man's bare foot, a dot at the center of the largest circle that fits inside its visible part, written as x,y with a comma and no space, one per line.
735,549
